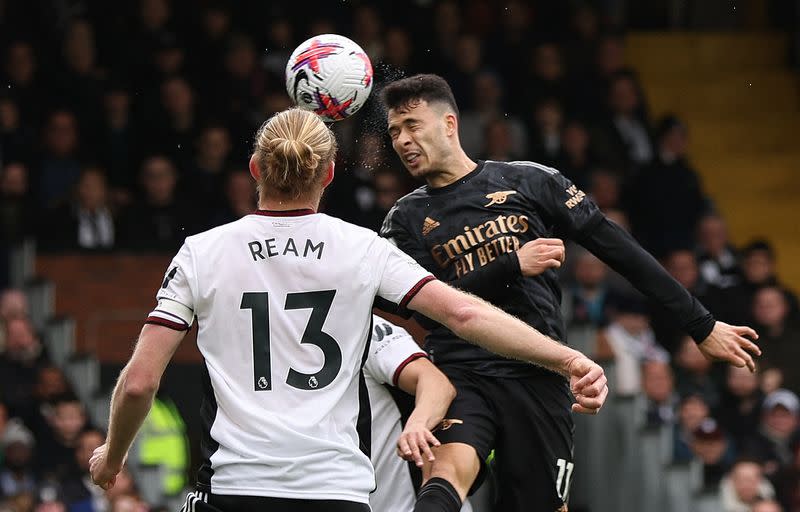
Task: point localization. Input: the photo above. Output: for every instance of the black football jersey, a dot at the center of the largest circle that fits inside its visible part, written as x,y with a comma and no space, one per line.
484,217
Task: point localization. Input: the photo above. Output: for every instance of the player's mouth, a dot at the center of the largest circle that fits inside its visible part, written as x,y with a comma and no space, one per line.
411,158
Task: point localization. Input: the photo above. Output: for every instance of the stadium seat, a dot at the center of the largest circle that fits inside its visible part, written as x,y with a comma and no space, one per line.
59,339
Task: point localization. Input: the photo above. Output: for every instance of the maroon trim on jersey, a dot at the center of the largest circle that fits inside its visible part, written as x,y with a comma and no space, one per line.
413,291
402,366
285,213
175,326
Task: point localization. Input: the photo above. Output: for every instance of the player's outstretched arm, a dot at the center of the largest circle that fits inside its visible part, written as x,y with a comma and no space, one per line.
717,340
433,394
132,399
477,321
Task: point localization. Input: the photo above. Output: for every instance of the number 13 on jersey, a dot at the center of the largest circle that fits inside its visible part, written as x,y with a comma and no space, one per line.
319,302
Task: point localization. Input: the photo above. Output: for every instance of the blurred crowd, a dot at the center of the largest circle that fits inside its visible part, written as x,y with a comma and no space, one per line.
127,127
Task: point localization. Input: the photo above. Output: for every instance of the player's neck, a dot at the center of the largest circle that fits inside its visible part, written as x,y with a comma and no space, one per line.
279,205
451,171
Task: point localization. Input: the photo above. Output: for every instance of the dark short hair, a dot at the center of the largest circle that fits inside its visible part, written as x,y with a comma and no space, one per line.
431,88
759,245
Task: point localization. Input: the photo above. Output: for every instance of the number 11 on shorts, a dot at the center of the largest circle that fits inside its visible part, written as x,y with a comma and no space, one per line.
562,484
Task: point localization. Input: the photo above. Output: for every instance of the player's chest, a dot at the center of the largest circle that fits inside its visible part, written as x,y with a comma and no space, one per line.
469,230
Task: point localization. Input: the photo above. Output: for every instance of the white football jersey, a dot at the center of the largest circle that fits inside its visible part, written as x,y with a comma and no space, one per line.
391,350
283,303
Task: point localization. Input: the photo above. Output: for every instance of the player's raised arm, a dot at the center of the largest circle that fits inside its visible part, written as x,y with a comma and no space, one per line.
579,218
477,321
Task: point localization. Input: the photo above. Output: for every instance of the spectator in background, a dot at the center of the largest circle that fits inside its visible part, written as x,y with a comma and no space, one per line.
158,221
718,259
545,131
119,147
629,341
13,304
498,141
604,187
546,78
693,373
585,300
175,136
779,336
20,363
170,57
735,304
279,47
693,410
592,83
488,106
581,43
59,168
659,392
778,430
744,487
398,53
209,44
666,200
575,161
87,223
244,82
207,176
367,30
16,474
26,87
740,405
240,198
714,449
467,62
79,85
447,26
624,136
66,419
77,490
18,214
15,134
682,265
50,384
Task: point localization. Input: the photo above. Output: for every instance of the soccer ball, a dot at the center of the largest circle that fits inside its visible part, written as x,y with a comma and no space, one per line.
329,74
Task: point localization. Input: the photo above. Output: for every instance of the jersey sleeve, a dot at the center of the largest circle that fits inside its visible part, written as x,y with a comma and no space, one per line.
175,307
563,203
391,350
399,277
396,229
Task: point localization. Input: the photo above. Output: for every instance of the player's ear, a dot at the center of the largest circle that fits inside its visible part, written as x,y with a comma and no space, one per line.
254,172
329,176
451,124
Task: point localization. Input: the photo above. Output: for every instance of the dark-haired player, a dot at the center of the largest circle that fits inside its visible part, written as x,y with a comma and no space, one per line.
494,228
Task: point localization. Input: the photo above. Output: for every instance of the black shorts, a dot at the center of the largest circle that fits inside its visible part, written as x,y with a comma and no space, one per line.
528,423
204,502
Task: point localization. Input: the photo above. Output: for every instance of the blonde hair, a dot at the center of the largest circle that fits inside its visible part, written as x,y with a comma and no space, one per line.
292,150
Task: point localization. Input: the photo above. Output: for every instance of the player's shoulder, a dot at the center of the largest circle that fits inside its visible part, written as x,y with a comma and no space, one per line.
407,205
212,235
521,168
408,200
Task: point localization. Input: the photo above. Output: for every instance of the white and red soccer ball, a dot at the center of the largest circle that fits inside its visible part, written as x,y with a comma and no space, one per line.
329,74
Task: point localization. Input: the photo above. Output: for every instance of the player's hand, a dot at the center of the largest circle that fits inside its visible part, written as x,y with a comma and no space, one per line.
104,474
588,383
539,255
415,444
728,343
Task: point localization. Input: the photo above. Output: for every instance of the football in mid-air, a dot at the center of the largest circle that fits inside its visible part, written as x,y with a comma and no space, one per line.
329,74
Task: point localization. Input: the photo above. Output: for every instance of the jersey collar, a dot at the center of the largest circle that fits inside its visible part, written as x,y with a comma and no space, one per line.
285,213
447,188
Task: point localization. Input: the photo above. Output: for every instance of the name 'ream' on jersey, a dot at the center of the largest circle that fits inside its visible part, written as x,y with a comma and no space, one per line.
283,307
